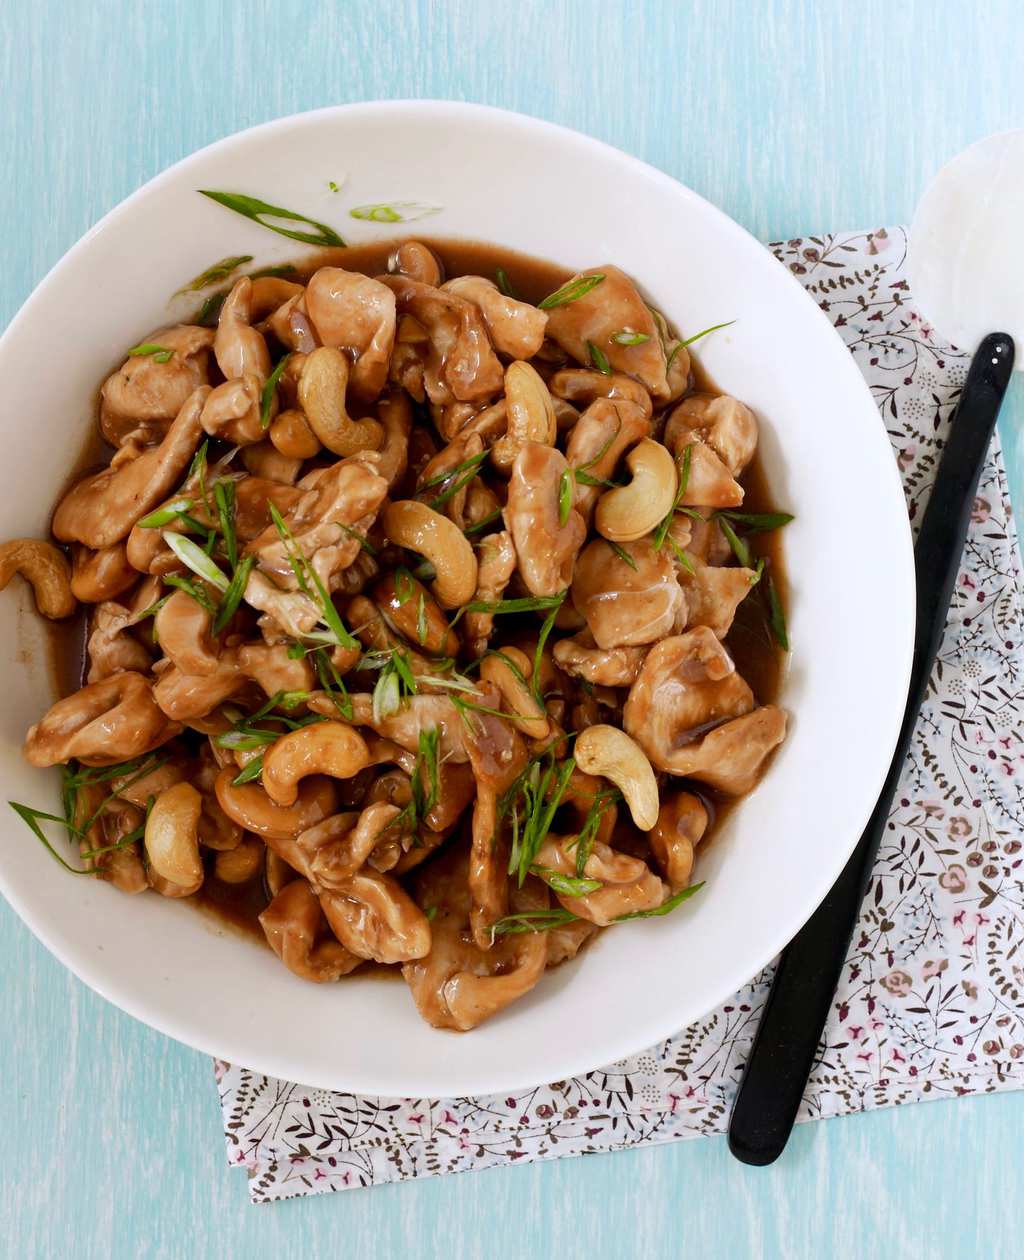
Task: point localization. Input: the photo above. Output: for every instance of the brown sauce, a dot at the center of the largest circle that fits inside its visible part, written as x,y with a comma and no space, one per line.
757,657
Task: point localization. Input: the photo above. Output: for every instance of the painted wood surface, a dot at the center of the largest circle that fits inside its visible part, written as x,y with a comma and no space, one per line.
793,115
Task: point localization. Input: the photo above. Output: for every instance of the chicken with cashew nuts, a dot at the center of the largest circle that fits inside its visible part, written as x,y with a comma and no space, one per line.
431,606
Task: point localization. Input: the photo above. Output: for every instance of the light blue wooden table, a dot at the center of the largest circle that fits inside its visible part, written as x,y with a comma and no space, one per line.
791,116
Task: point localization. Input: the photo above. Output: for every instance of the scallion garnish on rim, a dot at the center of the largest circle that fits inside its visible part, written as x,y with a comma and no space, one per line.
261,211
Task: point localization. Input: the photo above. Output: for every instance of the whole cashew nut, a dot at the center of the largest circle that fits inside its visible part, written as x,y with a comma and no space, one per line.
242,863
46,568
607,751
172,836
292,437
531,415
330,748
418,528
628,512
322,389
400,602
249,806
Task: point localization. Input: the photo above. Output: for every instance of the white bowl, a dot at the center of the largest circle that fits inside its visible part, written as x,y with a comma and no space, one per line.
539,188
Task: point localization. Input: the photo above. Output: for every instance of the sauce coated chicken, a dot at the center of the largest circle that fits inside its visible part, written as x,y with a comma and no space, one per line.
425,620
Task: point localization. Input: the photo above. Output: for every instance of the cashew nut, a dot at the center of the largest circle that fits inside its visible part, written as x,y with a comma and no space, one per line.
415,614
322,389
46,568
292,437
531,415
607,751
418,528
250,806
321,748
172,836
510,669
418,262
242,863
628,512
581,386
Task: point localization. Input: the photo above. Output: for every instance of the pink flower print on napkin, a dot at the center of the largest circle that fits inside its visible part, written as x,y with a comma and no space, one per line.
934,967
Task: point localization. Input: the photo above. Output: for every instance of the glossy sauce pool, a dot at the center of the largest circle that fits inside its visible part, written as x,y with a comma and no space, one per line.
757,657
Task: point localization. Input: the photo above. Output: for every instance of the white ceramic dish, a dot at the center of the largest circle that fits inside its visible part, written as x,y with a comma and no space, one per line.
554,193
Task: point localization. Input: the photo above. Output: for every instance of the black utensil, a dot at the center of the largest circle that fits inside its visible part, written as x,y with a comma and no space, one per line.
810,966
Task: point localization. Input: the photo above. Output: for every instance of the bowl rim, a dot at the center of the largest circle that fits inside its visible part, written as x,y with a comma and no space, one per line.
620,1043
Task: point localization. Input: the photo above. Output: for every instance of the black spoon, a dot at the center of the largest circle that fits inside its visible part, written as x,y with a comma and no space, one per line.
810,966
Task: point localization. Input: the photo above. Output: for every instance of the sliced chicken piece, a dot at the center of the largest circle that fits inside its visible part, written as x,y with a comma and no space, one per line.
184,630
709,484
566,940
112,648
694,716
298,933
582,386
459,985
732,757
546,548
498,756
682,821
496,562
417,714
101,510
340,502
607,667
146,392
713,594
612,307
460,363
628,884
240,350
516,328
356,314
723,423
687,686
374,917
628,604
185,696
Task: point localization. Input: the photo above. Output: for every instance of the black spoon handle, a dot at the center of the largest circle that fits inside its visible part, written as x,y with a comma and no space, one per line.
808,972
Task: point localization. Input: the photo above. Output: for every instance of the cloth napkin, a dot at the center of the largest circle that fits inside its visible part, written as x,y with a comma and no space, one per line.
931,1003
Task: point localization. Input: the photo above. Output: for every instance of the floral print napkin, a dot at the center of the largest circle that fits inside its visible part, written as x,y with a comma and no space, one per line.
931,1004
